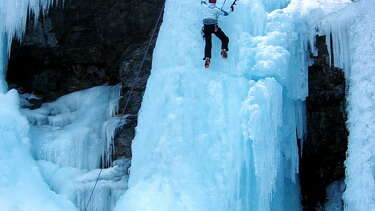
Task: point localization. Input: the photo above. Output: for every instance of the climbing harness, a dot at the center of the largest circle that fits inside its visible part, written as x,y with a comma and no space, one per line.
146,50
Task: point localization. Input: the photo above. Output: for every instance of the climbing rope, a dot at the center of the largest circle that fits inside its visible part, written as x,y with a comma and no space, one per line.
93,189
231,6
144,56
146,50
223,4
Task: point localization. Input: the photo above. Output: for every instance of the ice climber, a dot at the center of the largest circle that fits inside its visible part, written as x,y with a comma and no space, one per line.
210,26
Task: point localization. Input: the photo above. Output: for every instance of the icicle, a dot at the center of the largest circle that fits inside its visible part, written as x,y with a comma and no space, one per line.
78,129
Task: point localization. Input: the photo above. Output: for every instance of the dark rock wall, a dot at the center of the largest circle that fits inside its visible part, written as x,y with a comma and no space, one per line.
86,43
324,150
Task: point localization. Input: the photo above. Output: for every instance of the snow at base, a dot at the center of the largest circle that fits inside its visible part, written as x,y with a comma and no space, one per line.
223,138
22,187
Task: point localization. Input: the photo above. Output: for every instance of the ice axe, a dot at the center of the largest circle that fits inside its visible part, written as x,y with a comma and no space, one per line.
232,5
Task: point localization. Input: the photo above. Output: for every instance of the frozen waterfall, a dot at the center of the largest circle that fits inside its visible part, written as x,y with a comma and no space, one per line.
224,138
21,184
72,138
49,157
220,139
352,29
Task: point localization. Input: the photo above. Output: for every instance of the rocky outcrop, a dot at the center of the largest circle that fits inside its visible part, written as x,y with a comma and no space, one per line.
134,82
324,150
82,44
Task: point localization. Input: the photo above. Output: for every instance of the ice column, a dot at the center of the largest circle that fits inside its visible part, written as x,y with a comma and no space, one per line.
224,138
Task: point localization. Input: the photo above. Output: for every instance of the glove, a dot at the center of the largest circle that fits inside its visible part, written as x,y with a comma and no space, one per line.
232,8
203,2
225,13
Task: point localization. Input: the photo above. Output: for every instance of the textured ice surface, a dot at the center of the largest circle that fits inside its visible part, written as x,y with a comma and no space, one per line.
77,184
112,183
360,164
22,187
76,130
69,137
74,134
352,27
13,16
224,138
333,18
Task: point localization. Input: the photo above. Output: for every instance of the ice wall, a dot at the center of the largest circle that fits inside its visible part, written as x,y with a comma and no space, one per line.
359,194
223,138
77,129
72,138
351,31
22,187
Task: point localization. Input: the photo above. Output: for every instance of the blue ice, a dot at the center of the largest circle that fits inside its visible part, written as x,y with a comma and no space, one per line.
224,138
21,184
50,157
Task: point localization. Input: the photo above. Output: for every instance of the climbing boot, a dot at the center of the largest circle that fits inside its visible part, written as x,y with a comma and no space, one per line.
207,62
224,54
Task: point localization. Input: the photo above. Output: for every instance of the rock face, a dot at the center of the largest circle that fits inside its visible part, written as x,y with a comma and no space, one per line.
324,150
82,44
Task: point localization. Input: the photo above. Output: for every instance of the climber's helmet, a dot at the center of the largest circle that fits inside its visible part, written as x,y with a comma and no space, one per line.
212,1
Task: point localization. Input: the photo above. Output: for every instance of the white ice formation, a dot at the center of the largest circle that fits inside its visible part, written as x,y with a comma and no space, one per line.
351,26
224,138
49,157
219,139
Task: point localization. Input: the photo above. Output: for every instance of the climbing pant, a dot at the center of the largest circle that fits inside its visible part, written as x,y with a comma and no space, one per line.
207,31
